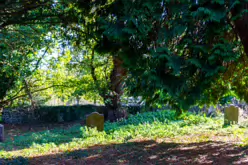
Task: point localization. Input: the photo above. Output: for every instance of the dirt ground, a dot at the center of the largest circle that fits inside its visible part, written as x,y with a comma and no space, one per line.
147,152
151,152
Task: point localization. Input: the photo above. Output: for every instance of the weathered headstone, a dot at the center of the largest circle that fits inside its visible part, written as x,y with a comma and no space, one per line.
1,133
95,120
233,115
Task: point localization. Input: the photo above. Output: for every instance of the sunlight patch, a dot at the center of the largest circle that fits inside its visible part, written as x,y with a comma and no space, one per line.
151,145
153,157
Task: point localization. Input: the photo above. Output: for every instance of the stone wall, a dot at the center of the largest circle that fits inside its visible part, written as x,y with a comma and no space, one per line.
16,115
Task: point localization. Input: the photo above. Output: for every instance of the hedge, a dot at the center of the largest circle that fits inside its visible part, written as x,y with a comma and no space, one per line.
72,113
66,113
55,114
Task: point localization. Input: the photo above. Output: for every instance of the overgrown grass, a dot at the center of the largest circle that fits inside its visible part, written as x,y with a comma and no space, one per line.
150,125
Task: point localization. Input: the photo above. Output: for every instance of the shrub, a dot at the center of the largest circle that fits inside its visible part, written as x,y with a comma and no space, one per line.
133,109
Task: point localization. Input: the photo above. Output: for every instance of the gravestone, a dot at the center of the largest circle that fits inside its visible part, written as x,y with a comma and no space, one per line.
95,120
1,133
233,115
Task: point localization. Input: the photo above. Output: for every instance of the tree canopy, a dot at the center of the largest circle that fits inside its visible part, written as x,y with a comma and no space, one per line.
181,52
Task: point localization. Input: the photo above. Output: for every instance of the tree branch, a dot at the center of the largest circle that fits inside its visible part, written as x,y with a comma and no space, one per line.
32,92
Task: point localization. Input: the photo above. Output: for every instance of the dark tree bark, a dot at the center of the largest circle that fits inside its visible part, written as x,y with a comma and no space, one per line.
241,24
28,92
112,99
33,104
112,93
116,81
78,100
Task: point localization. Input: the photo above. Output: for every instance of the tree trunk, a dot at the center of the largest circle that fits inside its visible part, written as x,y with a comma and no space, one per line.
29,94
112,93
112,100
33,104
241,24
78,100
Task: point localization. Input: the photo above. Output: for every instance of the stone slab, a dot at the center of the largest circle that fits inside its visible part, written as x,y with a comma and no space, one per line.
95,120
233,115
1,133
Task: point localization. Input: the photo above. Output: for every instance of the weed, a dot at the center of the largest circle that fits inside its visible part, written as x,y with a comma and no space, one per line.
149,125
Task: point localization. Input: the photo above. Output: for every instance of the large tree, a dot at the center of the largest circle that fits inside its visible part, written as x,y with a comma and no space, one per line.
175,49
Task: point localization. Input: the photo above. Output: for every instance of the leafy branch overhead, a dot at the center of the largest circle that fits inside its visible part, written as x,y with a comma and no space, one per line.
172,51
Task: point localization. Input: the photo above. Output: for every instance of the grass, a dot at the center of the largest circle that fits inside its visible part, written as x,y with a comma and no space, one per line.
161,125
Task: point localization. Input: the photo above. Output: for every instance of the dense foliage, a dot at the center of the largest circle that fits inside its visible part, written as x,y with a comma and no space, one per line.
176,56
176,52
19,54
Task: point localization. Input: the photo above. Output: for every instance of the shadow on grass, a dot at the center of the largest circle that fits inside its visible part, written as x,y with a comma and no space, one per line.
64,135
26,140
145,152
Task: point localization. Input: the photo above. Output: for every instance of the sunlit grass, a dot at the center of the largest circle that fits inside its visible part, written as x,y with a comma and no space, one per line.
162,125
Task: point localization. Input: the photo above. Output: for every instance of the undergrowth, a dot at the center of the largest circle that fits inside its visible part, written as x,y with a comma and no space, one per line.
149,125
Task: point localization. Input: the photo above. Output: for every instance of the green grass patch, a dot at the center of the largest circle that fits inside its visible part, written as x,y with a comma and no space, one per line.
149,125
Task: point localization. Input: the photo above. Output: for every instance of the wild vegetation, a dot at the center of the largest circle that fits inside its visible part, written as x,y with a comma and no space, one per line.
162,56
161,126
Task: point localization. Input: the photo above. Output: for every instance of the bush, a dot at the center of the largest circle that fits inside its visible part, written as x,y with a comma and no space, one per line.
133,109
56,114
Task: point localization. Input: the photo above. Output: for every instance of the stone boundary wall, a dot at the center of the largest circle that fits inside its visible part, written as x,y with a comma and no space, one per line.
15,115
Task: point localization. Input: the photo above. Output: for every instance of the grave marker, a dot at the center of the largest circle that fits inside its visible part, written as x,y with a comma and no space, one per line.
95,120
1,133
233,115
